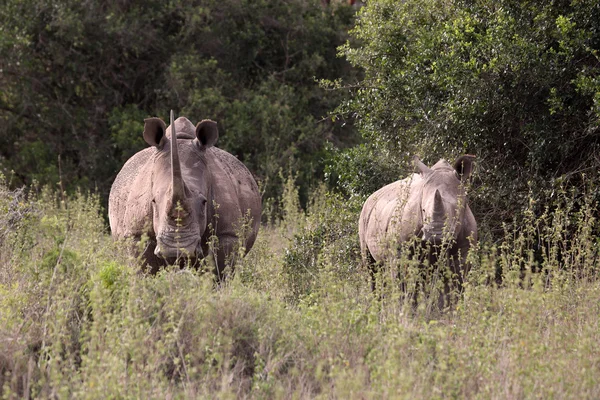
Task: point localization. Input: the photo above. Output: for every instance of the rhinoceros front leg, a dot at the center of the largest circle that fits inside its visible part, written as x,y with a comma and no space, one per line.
223,254
453,281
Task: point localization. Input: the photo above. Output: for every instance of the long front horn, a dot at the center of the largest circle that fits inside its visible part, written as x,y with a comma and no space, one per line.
176,178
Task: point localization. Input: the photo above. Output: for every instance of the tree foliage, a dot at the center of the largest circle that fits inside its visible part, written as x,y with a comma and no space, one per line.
78,78
515,83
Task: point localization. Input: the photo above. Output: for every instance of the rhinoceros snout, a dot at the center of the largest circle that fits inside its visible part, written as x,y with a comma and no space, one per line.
168,249
436,234
176,252
434,239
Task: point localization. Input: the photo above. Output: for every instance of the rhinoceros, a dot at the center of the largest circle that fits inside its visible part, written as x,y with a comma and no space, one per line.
428,207
183,192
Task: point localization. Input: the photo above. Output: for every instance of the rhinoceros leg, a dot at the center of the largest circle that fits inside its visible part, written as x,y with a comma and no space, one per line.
454,276
226,255
371,265
221,254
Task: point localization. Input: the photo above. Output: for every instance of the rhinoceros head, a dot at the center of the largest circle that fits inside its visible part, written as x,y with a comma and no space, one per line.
443,200
180,184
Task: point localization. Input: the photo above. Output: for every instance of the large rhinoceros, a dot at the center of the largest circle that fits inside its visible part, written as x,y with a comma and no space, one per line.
182,192
431,205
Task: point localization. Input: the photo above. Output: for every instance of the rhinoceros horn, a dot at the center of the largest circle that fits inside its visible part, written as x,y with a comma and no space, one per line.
438,207
176,177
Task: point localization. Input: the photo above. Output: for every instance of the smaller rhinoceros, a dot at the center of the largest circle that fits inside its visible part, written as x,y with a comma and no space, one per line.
431,205
183,192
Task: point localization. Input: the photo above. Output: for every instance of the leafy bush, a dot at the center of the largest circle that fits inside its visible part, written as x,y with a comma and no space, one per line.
360,171
74,114
515,83
327,241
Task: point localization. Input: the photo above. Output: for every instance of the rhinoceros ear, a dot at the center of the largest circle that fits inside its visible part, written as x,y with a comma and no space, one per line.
207,133
420,168
464,166
154,132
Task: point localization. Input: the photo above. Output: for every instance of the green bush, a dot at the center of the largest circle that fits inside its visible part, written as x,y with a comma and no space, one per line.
360,171
515,83
72,115
327,241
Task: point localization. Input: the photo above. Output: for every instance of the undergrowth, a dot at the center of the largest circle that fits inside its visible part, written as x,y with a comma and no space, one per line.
299,318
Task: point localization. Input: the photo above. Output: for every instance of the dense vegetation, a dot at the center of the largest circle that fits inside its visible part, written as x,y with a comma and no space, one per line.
76,320
78,79
514,82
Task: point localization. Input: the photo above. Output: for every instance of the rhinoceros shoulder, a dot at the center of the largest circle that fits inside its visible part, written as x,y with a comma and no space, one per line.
125,186
228,161
389,213
126,177
227,167
234,188
395,194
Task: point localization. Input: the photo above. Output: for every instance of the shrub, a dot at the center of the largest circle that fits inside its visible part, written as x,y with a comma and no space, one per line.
328,239
99,328
515,83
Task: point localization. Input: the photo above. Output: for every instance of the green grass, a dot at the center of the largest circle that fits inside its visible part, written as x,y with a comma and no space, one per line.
298,320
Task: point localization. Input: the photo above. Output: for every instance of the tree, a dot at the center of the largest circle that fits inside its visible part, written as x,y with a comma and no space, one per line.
78,78
515,83
65,66
253,66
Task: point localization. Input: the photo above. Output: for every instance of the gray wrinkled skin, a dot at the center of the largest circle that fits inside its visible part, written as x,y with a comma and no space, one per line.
429,205
217,191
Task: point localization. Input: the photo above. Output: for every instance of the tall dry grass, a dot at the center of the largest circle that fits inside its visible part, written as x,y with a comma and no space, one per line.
298,319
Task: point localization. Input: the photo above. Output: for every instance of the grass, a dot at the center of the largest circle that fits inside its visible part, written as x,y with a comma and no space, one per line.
298,320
